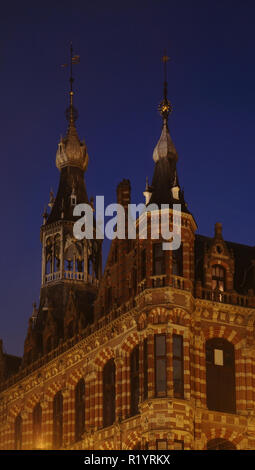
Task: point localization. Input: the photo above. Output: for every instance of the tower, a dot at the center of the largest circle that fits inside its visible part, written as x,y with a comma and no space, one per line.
71,268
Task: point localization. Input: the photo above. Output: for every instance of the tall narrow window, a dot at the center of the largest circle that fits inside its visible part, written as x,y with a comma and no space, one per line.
145,369
18,433
109,393
58,420
220,375
177,265
79,409
134,381
218,278
37,425
178,366
158,259
143,264
160,365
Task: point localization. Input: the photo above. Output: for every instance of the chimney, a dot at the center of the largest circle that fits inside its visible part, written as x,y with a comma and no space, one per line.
218,230
124,193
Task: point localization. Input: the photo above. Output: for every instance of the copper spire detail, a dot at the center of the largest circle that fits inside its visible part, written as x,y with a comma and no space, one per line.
71,151
165,107
165,147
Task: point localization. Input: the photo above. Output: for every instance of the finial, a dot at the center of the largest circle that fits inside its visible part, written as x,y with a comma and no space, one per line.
71,112
165,107
52,199
45,215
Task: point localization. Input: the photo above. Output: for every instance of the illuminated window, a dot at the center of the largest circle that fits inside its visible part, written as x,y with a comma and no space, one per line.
109,393
18,433
134,381
57,420
178,366
37,425
160,365
218,278
79,409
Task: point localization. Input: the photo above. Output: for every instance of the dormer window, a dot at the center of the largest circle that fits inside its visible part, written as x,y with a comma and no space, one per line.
218,278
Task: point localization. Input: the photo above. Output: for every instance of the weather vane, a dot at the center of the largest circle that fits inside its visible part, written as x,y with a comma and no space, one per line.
71,112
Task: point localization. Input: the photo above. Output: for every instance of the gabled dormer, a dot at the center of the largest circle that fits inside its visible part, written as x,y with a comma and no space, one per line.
219,264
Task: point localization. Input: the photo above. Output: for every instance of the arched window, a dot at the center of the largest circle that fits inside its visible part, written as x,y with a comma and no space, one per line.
57,253
58,420
109,393
37,425
134,381
18,433
220,444
220,375
79,409
218,278
48,256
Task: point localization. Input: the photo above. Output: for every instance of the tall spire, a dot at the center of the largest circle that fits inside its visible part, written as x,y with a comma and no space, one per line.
165,107
71,151
71,112
165,147
165,187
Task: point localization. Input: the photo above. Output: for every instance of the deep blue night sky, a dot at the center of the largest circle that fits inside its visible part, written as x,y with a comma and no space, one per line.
118,87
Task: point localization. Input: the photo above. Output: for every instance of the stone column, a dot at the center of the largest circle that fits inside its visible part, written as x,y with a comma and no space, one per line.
119,362
68,417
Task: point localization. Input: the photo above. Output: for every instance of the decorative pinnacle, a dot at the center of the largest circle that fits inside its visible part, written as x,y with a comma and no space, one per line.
71,112
165,107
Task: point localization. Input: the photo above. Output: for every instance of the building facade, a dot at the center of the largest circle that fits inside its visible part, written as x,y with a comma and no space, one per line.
158,352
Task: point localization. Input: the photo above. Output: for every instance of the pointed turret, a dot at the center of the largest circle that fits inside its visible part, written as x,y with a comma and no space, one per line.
165,187
67,263
72,161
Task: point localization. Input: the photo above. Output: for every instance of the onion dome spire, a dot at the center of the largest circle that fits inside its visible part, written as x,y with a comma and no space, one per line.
71,151
165,188
165,147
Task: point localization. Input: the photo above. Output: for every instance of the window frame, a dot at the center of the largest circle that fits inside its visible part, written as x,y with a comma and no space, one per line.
134,381
180,360
160,258
160,357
